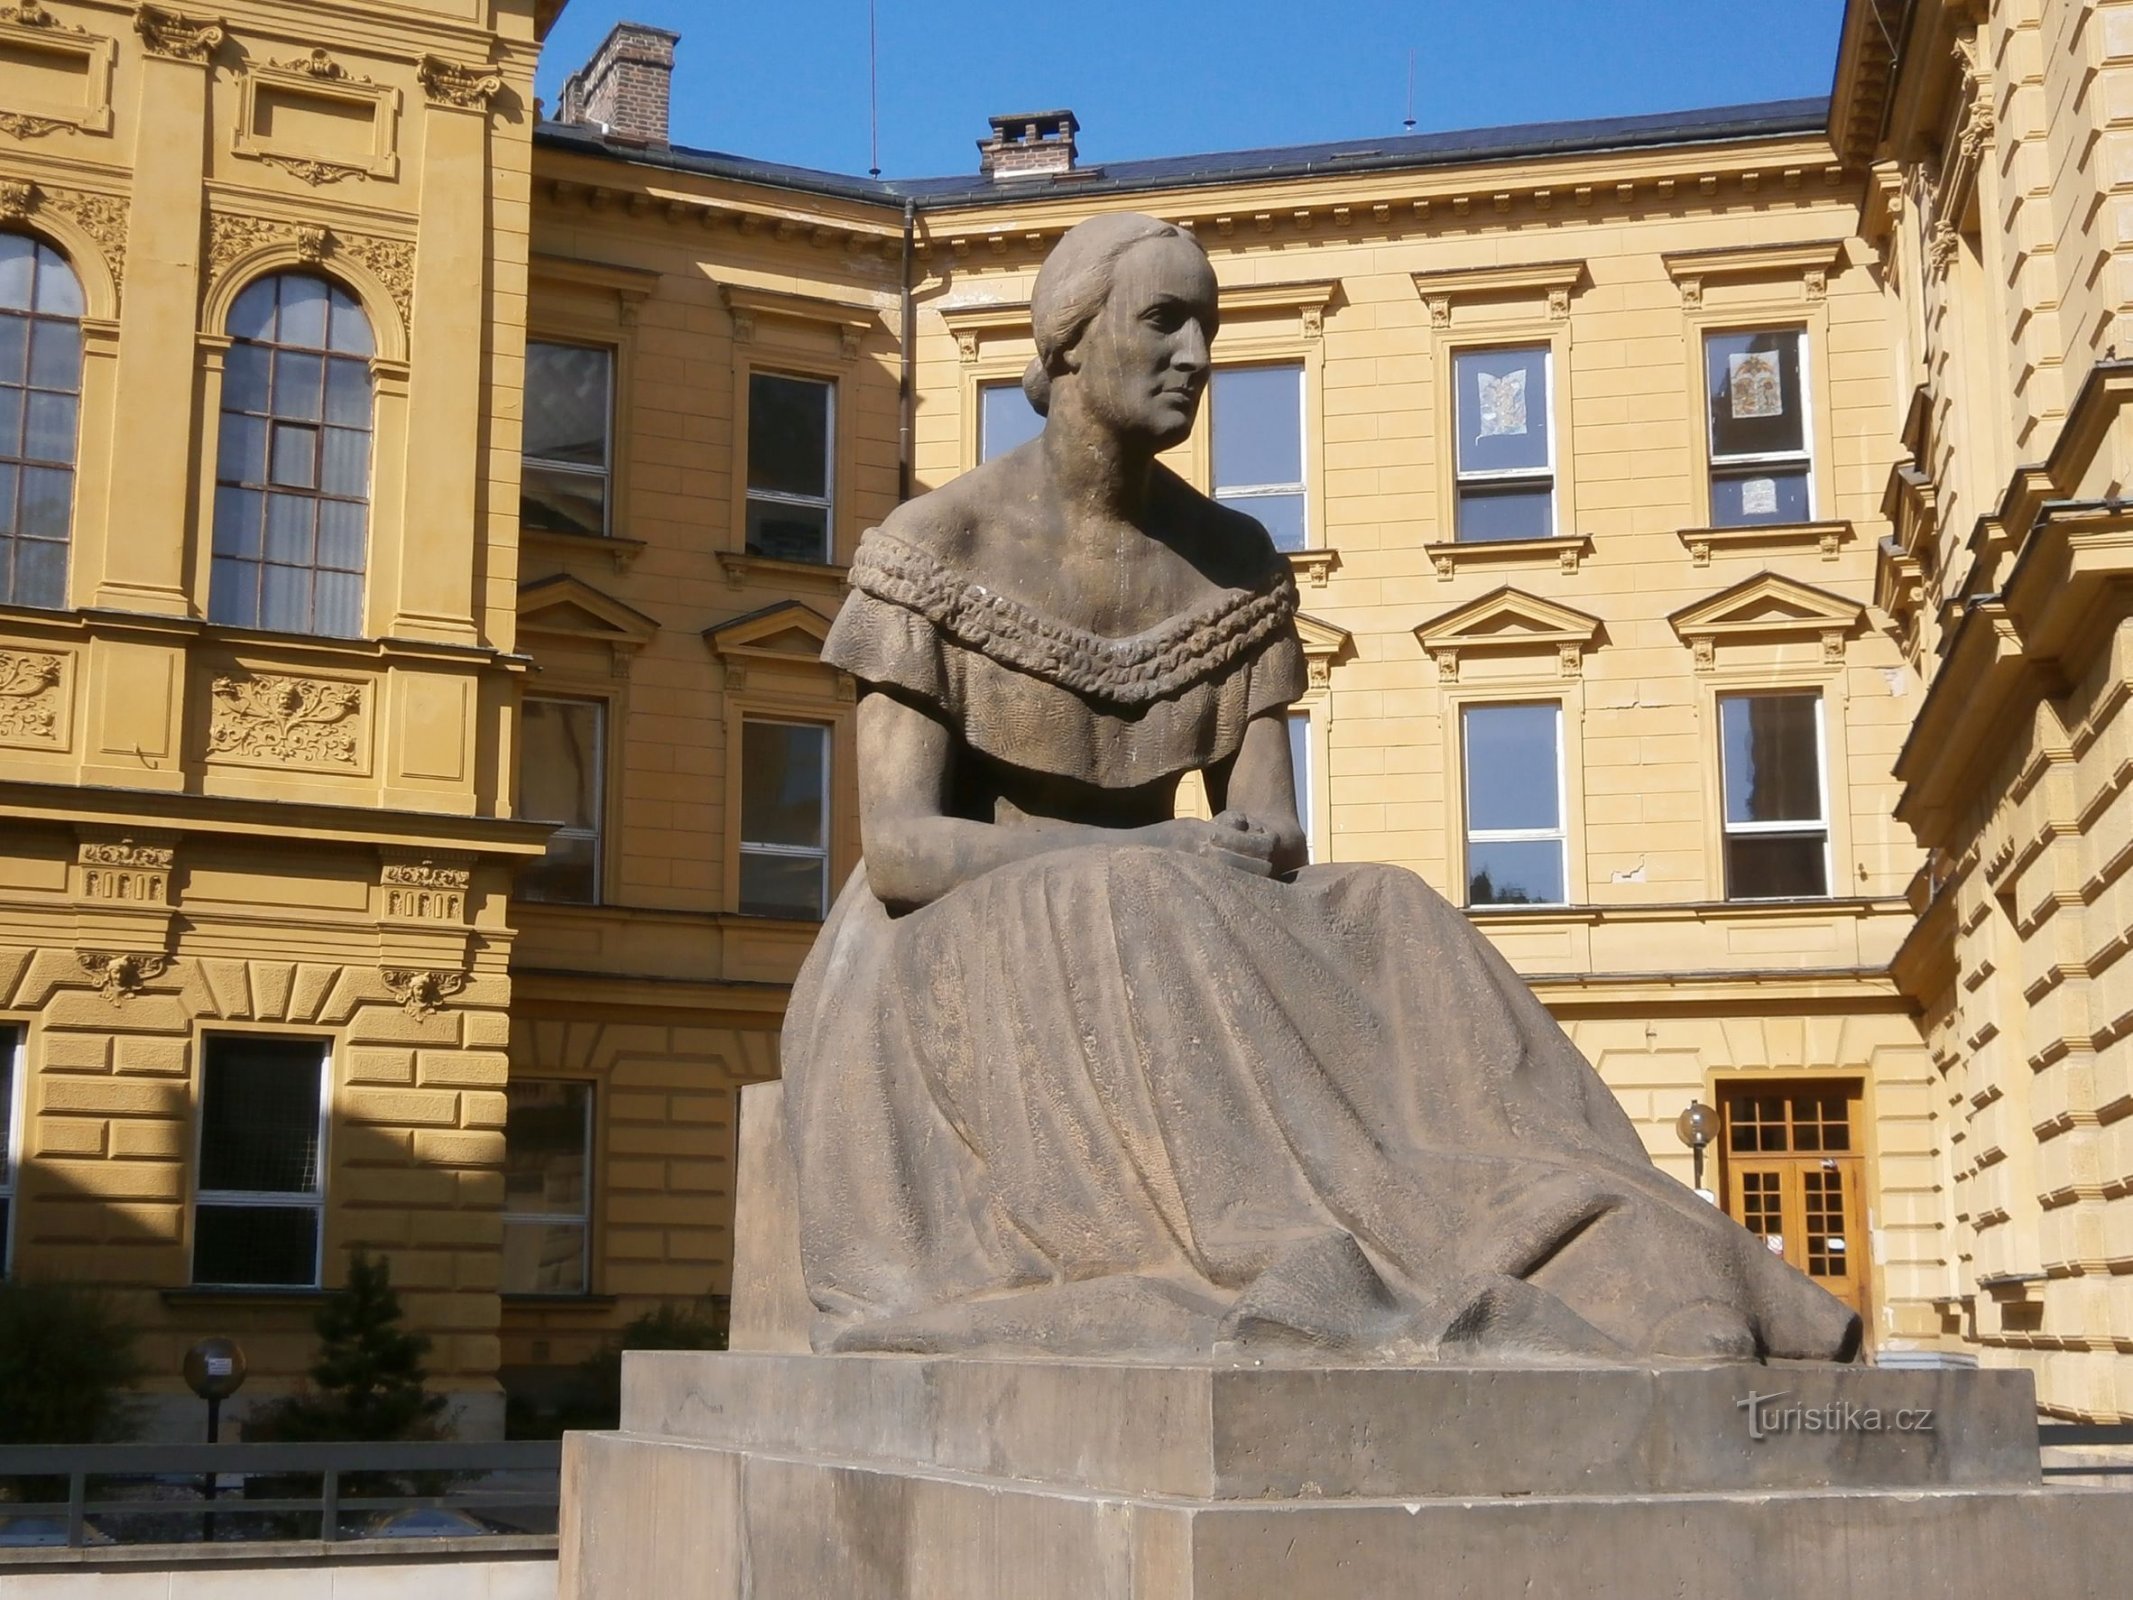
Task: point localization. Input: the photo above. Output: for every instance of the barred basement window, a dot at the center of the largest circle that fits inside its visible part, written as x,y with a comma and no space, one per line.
547,1186
791,429
1762,469
261,1196
292,472
562,778
784,819
1005,419
1504,456
1255,423
1777,822
40,403
1515,845
564,479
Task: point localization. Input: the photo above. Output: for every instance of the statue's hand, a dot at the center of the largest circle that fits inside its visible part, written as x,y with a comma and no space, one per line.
1232,838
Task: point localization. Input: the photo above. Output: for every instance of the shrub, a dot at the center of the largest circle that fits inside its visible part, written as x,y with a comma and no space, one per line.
67,1360
367,1382
594,1398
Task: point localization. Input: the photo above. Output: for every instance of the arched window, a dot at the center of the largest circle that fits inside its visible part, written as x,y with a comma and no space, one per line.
292,473
40,396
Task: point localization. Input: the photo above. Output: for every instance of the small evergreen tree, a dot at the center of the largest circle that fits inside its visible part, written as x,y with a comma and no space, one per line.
367,1382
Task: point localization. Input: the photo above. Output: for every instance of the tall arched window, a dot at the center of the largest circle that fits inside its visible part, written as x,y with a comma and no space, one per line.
292,474
40,396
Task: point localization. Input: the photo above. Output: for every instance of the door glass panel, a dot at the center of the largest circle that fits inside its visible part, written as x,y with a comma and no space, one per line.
1822,1207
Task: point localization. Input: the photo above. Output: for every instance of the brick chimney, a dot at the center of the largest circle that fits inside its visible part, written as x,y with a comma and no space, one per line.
1029,144
624,87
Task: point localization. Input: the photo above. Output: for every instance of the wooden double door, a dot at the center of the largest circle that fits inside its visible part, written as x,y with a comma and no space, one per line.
1795,1176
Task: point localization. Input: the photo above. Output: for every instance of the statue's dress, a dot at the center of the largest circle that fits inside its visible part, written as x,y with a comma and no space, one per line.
1132,1101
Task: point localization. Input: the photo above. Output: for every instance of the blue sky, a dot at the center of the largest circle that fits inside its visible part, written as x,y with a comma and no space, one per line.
787,80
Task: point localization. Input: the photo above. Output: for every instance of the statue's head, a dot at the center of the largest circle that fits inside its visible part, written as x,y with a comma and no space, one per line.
1124,311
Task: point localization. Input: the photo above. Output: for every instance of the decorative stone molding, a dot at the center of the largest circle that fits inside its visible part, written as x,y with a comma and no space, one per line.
22,126
786,634
427,890
1942,246
1767,607
124,871
1509,621
851,320
319,65
312,170
563,607
32,15
177,36
17,195
1551,282
285,721
319,81
101,216
1325,644
1828,538
1313,567
232,236
446,83
30,699
422,992
1807,264
119,973
1566,551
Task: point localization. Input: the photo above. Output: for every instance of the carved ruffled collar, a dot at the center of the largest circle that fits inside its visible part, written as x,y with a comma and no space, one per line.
1130,671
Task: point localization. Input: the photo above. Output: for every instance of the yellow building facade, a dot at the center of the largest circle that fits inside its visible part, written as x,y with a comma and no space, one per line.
1656,498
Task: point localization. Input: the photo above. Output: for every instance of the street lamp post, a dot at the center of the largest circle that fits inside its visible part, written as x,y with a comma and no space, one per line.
1696,1127
214,1370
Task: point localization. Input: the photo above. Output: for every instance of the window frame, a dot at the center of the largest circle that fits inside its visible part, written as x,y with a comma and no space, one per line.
14,539
1301,489
746,847
262,1199
1808,456
1463,477
14,1105
1469,835
610,439
832,444
582,1220
1728,829
603,710
1305,777
979,389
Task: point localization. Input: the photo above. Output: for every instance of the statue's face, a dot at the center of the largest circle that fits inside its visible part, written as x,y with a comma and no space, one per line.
1143,360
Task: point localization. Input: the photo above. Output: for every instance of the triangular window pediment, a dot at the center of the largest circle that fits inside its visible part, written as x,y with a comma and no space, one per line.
788,629
1509,618
566,607
1767,606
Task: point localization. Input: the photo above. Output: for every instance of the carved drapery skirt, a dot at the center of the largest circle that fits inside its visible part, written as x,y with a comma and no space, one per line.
1132,1101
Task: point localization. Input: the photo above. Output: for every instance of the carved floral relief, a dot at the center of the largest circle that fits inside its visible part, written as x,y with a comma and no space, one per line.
31,699
274,720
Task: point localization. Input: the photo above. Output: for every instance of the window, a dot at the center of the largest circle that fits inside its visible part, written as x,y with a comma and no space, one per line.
547,1187
1255,422
1761,470
1514,805
568,449
784,819
561,779
1777,835
11,1085
292,473
1505,453
791,423
40,397
1005,419
1300,766
262,1188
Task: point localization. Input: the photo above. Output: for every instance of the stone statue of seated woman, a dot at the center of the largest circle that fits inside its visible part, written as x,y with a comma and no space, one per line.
1067,1073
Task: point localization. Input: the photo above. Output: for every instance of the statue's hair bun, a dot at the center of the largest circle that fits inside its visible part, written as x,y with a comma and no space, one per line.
1037,384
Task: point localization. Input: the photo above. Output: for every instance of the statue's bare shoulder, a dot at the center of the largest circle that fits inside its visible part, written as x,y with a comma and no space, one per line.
958,523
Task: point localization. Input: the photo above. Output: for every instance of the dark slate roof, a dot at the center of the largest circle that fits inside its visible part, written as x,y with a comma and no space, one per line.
1392,153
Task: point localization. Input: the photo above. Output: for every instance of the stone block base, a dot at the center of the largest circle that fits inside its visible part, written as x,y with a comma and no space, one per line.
790,1477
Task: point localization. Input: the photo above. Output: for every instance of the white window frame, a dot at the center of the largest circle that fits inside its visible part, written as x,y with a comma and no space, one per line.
1559,835
792,852
1463,476
605,473
1301,489
1729,829
826,502
15,1050
1301,773
581,1219
597,832
278,1199
1804,457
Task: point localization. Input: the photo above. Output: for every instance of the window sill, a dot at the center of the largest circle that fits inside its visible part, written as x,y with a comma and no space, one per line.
1313,566
621,552
1827,537
739,566
239,1295
533,1300
1565,552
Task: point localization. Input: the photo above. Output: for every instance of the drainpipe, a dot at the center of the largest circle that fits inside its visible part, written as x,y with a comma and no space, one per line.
907,396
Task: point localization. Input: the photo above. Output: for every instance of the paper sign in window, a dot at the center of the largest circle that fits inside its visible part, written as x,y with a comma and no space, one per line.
1503,403
1753,385
1759,497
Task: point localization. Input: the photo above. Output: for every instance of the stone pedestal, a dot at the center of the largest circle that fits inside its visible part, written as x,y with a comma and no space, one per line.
777,1476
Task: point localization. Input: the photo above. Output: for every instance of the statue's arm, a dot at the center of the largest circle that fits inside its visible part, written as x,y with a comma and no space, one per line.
1259,783
916,852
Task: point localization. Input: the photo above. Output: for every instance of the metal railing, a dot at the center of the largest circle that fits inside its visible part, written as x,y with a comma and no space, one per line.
515,1484
2073,1435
